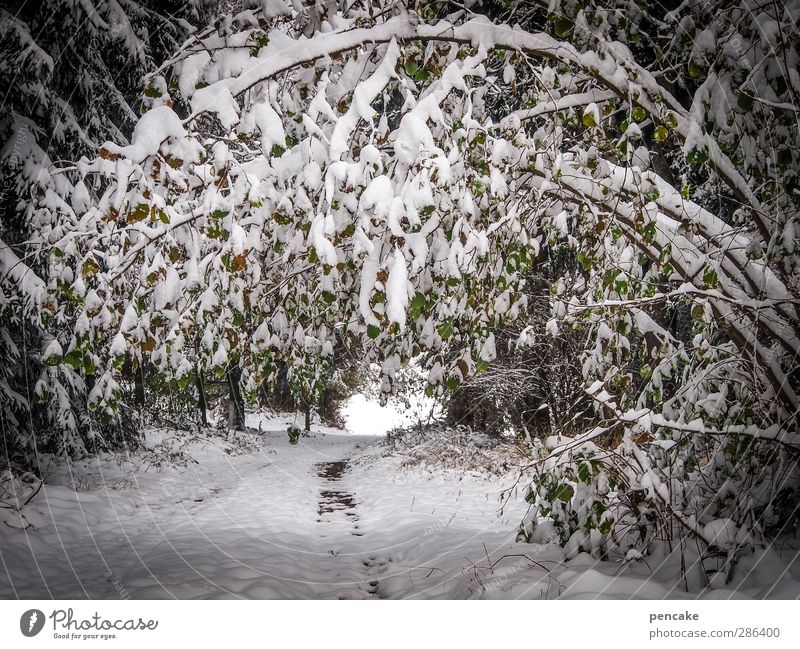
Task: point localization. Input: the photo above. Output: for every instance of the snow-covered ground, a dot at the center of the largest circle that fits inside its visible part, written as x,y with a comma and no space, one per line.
337,516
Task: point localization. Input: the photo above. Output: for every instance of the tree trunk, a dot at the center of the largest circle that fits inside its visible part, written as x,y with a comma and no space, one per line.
308,417
236,408
138,381
202,403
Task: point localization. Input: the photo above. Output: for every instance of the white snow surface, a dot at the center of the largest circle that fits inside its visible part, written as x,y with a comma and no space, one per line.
279,521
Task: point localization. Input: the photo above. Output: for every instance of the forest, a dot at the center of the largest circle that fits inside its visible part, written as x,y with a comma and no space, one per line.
570,228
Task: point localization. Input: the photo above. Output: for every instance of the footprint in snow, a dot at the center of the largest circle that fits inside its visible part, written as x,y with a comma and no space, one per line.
332,499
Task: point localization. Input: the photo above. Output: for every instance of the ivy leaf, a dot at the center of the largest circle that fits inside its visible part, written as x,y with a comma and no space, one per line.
373,332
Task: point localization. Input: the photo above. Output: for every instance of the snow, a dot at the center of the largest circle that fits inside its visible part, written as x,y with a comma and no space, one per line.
52,350
31,286
191,69
217,99
397,290
154,127
270,125
364,416
753,297
365,93
720,532
250,516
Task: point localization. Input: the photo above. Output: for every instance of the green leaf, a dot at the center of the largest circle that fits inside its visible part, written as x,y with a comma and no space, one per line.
445,329
373,332
564,493
422,74
417,304
562,27
53,360
660,134
585,472
697,156
649,232
652,194
74,359
639,114
453,383
744,101
710,277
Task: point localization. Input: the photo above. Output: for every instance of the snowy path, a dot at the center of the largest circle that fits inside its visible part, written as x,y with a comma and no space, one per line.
285,521
330,518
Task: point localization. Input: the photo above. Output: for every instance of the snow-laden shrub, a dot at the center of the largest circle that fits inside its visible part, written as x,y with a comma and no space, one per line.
456,449
395,171
728,495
